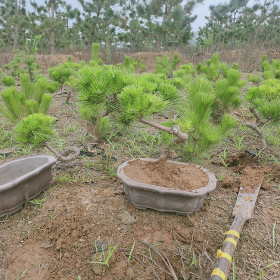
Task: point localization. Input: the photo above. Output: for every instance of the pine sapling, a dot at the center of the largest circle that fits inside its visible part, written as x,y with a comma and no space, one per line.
175,61
32,99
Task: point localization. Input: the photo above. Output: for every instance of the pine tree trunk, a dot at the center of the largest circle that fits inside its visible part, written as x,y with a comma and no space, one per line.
93,31
16,26
259,24
159,38
52,43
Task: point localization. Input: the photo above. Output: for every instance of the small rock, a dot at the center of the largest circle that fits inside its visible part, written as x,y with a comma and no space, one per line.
45,245
127,218
66,255
165,116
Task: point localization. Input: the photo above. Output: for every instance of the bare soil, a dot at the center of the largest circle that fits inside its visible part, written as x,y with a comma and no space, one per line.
251,179
166,174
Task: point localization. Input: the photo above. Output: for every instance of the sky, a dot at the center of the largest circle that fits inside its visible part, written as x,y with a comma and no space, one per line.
201,10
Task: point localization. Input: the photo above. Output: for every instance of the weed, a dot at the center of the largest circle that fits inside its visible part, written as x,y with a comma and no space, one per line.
90,164
69,128
131,252
273,235
53,216
110,253
268,266
193,260
38,202
239,142
23,273
221,178
276,161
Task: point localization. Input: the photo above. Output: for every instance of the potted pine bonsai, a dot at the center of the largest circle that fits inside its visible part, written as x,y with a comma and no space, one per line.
160,184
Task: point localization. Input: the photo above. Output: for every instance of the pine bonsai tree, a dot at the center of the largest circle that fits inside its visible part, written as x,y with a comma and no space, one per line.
38,129
130,98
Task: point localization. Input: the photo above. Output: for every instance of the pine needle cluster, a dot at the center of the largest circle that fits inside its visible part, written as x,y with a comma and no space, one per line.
35,129
33,98
266,99
271,71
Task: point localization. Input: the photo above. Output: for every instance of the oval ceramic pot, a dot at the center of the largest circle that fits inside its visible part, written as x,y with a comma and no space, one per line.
21,179
144,196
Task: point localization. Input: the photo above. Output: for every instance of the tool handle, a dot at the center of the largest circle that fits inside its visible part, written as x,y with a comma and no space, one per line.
225,256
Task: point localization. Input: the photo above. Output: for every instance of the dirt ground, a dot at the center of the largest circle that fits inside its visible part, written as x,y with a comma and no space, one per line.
85,214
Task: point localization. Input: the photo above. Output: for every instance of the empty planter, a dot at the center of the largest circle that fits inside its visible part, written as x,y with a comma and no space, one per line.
159,198
23,179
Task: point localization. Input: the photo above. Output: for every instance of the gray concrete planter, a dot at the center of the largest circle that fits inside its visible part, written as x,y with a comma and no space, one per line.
21,179
144,196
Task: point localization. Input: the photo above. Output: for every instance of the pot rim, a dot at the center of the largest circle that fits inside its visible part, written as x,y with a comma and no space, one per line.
210,187
36,171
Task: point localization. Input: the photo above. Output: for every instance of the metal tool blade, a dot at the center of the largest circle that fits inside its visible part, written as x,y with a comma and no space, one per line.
245,203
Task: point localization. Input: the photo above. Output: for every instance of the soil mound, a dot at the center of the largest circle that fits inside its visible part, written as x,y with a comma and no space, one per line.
168,175
251,179
240,161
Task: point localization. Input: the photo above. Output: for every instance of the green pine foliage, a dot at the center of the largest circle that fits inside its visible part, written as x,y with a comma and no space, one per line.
164,65
97,124
266,99
13,66
227,90
12,108
203,133
95,52
33,98
271,71
254,79
92,84
8,81
35,129
213,69
175,61
60,74
184,70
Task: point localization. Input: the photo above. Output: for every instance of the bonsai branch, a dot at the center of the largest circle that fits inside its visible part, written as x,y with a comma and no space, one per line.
254,126
257,116
174,130
68,154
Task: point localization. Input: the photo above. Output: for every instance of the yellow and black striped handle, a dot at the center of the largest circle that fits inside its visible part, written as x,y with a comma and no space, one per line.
225,255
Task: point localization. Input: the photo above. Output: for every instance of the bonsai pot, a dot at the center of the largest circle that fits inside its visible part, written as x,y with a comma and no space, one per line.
182,202
23,179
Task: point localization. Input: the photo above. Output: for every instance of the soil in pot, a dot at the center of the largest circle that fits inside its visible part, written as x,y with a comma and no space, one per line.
166,174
